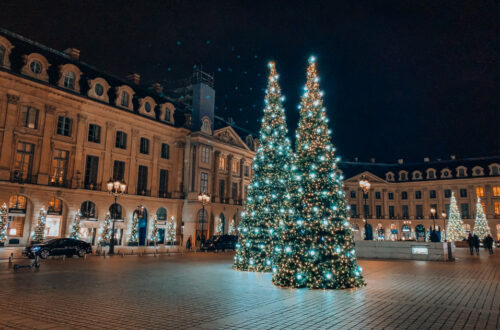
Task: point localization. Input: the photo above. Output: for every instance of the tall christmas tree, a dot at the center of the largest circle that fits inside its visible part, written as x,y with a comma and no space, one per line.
455,230
39,234
4,221
153,238
232,228
481,228
171,231
106,230
316,249
75,228
134,231
265,207
218,226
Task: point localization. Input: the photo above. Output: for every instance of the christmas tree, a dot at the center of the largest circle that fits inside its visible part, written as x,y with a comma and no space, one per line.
265,207
316,248
154,231
218,226
481,228
39,234
134,231
232,228
171,231
75,228
106,230
4,221
455,230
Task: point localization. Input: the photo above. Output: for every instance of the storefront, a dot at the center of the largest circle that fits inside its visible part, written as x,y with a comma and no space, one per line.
394,233
53,221
405,232
88,222
17,218
380,232
420,233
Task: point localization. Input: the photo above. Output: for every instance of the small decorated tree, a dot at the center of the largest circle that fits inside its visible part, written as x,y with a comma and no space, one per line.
481,228
154,231
171,231
75,228
455,230
218,227
232,228
134,231
106,230
39,234
4,221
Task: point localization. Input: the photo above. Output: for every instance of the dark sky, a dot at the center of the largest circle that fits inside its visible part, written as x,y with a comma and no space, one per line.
402,79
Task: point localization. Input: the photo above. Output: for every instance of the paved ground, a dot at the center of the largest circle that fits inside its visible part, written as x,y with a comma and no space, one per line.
201,291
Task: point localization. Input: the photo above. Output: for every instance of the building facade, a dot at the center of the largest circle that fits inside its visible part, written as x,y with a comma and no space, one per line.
401,196
67,128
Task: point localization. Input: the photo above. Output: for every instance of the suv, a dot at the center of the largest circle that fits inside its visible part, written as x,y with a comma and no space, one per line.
222,242
58,246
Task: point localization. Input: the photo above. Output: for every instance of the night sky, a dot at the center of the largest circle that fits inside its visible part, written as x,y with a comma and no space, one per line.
402,79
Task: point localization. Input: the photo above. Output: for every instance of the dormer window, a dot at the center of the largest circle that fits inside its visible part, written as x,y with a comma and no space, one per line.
2,54
389,176
431,174
403,176
494,169
417,175
69,80
446,173
36,67
477,171
125,99
99,89
167,114
461,172
147,107
69,77
5,49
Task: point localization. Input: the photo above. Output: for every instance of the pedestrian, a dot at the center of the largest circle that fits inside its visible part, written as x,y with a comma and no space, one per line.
476,243
488,243
188,243
470,241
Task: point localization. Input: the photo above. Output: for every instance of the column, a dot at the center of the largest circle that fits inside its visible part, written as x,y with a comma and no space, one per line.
215,171
7,146
411,204
132,178
385,208
48,129
177,177
230,178
154,177
107,163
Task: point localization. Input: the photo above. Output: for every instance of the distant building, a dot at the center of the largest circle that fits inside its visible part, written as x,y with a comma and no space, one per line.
66,128
402,195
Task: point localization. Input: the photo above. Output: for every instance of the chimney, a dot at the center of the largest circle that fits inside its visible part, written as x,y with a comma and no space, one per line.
73,52
158,88
135,78
452,157
426,159
372,160
400,161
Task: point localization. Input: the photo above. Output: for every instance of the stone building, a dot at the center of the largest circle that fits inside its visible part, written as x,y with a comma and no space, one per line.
67,128
401,195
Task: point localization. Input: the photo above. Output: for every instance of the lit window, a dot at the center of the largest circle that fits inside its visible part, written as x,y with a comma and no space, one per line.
496,191
497,208
222,163
235,166
69,80
480,192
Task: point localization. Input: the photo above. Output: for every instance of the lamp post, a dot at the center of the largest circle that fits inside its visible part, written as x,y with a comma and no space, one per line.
443,215
433,212
364,184
204,198
115,188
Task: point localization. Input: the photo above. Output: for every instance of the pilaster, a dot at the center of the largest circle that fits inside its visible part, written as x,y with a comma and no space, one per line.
7,146
48,129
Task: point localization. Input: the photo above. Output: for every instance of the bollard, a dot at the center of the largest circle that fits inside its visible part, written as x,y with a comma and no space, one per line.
64,257
11,258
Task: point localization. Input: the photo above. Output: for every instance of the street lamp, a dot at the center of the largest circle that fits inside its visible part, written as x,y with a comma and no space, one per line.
433,212
204,198
364,184
115,188
443,215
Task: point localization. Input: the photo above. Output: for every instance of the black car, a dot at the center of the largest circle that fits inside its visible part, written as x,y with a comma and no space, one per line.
58,246
220,243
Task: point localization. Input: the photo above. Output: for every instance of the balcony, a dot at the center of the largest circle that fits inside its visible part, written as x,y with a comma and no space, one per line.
19,177
163,194
55,182
143,192
91,186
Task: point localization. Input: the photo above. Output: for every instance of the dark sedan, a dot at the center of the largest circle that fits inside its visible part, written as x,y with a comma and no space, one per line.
220,243
58,246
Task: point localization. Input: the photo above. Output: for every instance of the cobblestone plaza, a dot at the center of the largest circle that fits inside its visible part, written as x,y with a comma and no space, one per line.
199,290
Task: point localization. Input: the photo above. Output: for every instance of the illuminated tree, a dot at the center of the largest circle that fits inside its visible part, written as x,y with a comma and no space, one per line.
154,231
4,221
481,228
134,231
75,228
106,230
218,226
455,230
316,249
171,231
265,207
232,228
39,234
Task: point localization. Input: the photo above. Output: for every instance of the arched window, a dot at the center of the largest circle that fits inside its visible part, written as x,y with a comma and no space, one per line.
17,204
69,79
55,206
87,209
161,214
116,211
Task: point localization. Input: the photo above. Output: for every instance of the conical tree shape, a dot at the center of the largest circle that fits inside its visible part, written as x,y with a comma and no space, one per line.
481,228
316,250
455,230
75,228
267,194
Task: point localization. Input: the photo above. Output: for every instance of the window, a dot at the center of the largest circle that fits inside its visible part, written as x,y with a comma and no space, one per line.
204,183
118,170
99,89
165,151
389,176
446,173
418,194
234,190
497,209
391,211
55,206
121,140
447,193
205,126
390,195
417,175
405,212
419,211
447,209
222,163
125,99
377,195
64,125
17,204
59,165
116,211
465,210
245,192
404,195
161,214
163,188
494,170
246,170
144,148
29,117
2,54
496,191
94,133
480,192
378,211
87,209
222,189
205,154
432,194
147,107
463,193
431,174
36,67
142,180
91,167
69,79
353,194
477,171
402,176
23,162
235,166
461,172
353,211
167,114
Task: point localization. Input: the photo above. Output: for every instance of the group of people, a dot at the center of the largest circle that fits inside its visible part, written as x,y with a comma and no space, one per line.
474,242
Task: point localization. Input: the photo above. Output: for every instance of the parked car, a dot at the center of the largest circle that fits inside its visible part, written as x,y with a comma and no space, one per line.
58,246
222,243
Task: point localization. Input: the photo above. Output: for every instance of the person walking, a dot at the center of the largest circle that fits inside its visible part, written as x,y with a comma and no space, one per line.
188,243
476,243
488,243
470,241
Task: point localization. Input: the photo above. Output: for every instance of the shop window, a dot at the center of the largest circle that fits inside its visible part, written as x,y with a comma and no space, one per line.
55,206
116,211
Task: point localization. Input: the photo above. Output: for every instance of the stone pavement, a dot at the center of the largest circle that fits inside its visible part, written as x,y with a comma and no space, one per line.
201,291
